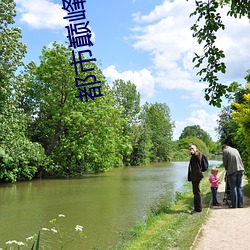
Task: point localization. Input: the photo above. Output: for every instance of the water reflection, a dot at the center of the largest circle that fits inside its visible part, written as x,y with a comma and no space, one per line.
105,204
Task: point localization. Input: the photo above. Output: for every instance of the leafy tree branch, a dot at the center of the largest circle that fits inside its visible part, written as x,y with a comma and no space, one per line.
205,28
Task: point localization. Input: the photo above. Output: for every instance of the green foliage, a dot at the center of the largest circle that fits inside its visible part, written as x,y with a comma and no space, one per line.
142,145
242,117
11,50
233,123
238,8
201,146
181,154
215,147
20,157
127,99
78,137
205,28
196,131
227,127
156,121
36,243
210,18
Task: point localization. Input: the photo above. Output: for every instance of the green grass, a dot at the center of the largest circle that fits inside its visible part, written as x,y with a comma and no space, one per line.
170,226
246,188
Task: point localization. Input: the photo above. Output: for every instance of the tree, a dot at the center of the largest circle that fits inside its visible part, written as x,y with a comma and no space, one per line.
77,136
215,148
233,123
196,131
242,116
142,145
208,23
183,144
20,158
229,130
12,50
157,122
227,127
128,100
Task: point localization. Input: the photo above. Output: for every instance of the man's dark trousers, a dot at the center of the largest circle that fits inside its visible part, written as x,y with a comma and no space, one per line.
197,196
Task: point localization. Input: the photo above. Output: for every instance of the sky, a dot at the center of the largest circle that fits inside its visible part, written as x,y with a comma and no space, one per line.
147,42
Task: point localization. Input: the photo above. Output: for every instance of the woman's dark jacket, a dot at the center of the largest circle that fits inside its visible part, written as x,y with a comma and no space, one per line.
194,168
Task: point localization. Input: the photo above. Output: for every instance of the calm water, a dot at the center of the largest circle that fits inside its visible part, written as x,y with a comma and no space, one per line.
104,204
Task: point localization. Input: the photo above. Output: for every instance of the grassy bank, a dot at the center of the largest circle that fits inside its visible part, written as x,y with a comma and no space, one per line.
170,227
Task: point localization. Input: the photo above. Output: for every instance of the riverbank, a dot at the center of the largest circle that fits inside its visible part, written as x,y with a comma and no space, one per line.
172,227
175,228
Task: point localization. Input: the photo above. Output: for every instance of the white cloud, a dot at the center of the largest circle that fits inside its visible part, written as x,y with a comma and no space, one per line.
143,80
42,14
234,41
159,12
165,33
45,15
208,122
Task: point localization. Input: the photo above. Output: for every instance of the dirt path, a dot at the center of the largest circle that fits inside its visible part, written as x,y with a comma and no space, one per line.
225,228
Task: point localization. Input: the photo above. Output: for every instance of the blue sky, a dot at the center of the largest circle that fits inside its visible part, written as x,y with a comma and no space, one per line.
148,42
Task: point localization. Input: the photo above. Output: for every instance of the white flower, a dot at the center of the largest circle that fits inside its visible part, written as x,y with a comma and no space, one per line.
54,230
61,215
29,238
20,243
10,242
78,228
45,229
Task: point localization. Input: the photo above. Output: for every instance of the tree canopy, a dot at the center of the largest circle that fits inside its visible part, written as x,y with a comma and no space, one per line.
20,157
234,120
196,131
201,146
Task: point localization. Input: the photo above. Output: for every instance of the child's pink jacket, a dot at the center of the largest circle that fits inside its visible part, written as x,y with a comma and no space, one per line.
214,181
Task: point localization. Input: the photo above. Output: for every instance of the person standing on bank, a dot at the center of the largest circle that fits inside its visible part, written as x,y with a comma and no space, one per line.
235,169
195,175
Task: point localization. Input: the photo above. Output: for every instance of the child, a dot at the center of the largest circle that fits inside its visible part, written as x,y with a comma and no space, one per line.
214,185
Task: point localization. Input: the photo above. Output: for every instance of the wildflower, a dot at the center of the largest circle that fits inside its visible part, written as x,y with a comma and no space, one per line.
54,230
78,228
29,238
10,242
45,229
20,243
61,215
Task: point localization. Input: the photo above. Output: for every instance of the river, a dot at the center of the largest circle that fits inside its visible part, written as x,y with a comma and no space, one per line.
104,204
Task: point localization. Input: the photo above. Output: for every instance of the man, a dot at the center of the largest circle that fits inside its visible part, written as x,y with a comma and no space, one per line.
235,170
195,175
